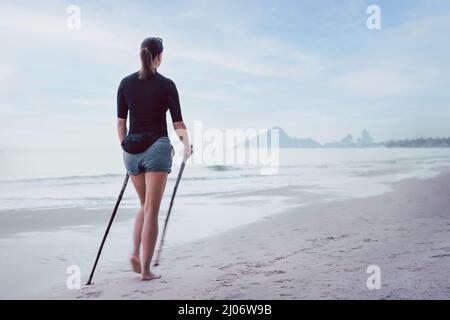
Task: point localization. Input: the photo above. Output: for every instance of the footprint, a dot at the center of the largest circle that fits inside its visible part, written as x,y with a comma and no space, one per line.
445,255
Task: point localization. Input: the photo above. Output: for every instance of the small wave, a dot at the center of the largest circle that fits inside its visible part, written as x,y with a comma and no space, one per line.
109,178
65,178
209,178
223,168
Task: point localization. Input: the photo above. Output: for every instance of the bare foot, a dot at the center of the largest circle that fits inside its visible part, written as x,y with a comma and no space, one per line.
147,276
135,264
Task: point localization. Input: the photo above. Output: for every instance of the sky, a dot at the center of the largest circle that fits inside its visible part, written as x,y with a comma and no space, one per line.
310,67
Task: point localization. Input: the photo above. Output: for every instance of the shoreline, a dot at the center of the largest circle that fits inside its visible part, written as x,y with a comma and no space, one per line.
299,254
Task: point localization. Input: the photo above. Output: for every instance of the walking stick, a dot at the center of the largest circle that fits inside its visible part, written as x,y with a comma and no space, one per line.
183,164
109,227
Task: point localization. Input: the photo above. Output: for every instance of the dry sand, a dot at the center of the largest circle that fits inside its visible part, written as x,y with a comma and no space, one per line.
315,252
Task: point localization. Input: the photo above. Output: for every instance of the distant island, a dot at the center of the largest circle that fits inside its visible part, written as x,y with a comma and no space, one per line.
419,143
365,140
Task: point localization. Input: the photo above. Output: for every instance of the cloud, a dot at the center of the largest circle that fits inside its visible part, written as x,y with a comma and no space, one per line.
404,60
250,54
213,95
41,25
10,79
380,83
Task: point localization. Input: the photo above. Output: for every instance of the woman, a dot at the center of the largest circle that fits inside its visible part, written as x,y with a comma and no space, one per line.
147,95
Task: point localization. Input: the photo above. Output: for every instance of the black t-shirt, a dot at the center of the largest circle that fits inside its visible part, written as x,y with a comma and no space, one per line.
148,101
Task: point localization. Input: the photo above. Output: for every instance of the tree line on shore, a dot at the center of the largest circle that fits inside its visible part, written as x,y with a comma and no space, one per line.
419,143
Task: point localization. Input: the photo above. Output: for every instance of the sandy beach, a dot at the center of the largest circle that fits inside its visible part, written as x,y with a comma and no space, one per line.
309,252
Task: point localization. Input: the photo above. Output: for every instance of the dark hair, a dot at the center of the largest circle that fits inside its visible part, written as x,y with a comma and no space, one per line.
150,48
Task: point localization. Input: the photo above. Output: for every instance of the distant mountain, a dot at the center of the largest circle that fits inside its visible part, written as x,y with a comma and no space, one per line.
285,141
347,142
290,142
364,141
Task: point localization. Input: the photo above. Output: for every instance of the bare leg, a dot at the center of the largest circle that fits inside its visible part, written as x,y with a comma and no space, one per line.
134,259
155,183
139,185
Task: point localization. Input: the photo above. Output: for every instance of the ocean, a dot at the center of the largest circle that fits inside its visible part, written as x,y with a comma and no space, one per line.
92,178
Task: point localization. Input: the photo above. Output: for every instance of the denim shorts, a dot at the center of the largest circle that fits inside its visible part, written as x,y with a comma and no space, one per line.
157,158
